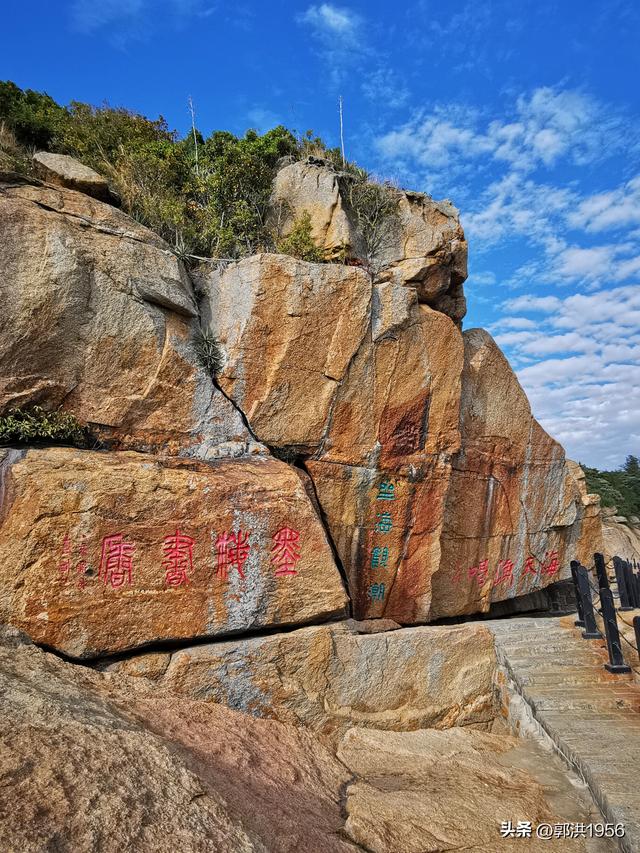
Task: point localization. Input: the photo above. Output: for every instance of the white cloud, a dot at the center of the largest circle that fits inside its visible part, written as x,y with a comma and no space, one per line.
384,87
619,208
338,32
331,20
545,127
130,18
584,383
545,304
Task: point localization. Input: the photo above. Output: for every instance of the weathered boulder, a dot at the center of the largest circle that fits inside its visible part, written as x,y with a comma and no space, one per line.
99,316
102,552
426,249
313,187
89,763
441,492
289,331
396,801
420,244
64,171
328,678
621,539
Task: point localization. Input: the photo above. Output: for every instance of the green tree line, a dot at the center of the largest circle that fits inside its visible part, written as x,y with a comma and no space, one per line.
206,196
617,488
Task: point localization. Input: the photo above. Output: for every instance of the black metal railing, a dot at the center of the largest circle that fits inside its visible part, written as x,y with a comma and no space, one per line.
615,594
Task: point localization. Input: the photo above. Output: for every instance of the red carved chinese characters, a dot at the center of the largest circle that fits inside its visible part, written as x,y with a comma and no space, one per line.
116,561
551,565
530,567
504,574
286,551
82,565
178,558
480,572
232,550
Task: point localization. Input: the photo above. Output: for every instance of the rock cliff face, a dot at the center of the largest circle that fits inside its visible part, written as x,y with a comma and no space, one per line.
99,316
353,427
355,453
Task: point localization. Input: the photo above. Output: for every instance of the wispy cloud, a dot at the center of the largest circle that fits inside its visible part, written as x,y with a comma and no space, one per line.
384,87
88,16
338,33
332,22
130,20
583,381
543,128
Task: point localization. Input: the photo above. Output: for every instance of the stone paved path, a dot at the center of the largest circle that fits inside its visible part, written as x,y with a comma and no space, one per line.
592,717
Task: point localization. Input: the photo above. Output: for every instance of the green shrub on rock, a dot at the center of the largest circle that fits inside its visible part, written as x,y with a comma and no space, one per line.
299,242
34,425
209,352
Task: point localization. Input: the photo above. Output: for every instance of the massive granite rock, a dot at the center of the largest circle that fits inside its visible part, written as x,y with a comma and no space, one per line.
289,331
421,244
89,763
328,678
104,762
102,552
98,316
441,492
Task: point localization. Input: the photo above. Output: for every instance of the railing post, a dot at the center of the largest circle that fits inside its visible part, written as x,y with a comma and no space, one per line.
632,588
591,631
636,628
623,592
634,583
574,574
601,571
616,660
636,586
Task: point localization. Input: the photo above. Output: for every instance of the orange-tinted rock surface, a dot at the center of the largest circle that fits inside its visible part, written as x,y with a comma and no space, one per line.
515,515
329,677
101,552
441,492
99,316
288,330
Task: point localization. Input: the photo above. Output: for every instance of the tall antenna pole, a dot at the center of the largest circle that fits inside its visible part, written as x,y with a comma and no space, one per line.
193,129
344,161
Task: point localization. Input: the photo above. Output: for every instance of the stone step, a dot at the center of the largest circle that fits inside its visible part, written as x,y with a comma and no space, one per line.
592,716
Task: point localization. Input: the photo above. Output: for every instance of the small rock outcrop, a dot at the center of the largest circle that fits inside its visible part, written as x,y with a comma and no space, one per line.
64,171
420,244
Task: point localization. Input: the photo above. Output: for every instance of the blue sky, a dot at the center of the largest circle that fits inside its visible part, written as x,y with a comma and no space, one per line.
525,114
